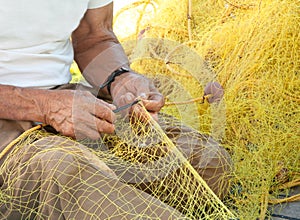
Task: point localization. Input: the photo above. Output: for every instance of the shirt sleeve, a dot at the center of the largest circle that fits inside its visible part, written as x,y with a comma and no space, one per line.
98,3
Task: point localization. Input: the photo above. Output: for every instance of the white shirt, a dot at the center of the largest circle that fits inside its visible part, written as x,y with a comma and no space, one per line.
35,47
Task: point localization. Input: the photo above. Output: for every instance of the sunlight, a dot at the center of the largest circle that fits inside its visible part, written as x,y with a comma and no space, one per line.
118,4
125,25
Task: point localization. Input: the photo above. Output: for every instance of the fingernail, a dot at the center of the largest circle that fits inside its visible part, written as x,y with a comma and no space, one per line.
128,97
112,107
143,96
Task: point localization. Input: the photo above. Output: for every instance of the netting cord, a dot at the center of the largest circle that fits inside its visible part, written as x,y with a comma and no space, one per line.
264,205
19,138
167,62
192,101
293,198
184,160
190,19
132,5
242,6
200,100
265,201
290,184
146,3
289,199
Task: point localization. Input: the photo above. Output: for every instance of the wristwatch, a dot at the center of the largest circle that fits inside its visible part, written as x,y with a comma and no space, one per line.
112,77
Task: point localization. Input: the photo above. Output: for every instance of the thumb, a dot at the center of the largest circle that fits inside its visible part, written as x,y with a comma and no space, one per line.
215,92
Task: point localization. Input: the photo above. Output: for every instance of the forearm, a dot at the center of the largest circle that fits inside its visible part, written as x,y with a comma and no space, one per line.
100,59
96,48
22,103
89,46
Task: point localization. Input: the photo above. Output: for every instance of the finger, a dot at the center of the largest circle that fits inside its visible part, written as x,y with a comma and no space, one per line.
105,112
143,88
139,113
104,127
123,100
95,126
154,102
110,106
87,97
86,131
85,126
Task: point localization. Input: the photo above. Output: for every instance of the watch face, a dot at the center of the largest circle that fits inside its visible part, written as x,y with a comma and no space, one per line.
124,69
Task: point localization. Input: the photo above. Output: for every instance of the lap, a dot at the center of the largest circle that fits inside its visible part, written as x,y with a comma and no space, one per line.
64,177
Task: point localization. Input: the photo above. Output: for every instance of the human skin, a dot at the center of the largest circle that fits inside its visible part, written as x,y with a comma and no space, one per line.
91,116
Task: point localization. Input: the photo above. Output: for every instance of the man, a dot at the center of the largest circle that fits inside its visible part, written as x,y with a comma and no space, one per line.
44,179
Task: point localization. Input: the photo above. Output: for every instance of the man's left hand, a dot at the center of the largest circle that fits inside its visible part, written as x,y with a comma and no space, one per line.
131,86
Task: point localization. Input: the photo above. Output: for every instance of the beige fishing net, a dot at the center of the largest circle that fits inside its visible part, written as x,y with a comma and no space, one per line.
226,142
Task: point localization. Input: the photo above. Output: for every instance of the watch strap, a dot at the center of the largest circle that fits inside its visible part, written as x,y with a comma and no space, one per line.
112,77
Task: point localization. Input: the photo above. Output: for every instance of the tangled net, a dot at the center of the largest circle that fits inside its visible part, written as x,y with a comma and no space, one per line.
155,171
251,48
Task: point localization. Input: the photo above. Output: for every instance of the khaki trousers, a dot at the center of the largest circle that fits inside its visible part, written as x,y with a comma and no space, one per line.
57,178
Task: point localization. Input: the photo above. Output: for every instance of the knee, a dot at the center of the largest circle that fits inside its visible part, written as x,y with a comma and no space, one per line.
208,158
214,165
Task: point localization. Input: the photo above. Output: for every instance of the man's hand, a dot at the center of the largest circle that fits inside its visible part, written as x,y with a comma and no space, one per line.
98,53
78,114
131,86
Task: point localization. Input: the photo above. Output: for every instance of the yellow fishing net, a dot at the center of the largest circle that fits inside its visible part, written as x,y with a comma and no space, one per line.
145,171
252,49
179,167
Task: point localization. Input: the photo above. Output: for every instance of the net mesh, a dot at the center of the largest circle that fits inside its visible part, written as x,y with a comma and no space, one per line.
252,49
180,168
145,171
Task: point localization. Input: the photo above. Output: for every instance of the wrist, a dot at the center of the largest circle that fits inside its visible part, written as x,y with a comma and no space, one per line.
112,77
23,104
44,101
121,82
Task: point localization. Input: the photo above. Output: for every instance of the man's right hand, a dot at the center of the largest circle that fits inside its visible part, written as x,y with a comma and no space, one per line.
78,114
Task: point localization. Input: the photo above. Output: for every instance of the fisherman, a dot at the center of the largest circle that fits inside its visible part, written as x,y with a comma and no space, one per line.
51,177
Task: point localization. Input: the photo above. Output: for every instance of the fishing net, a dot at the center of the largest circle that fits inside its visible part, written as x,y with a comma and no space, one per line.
252,49
145,171
230,73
